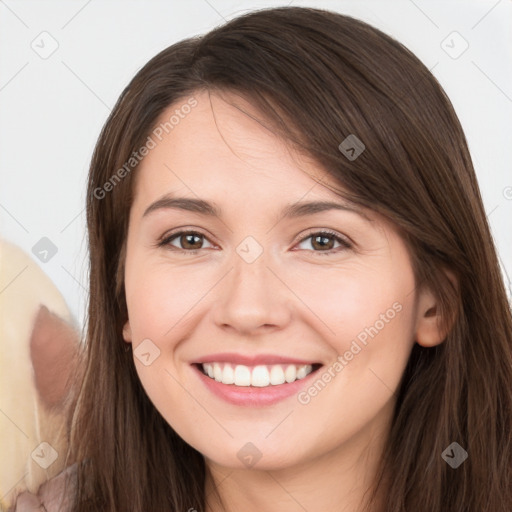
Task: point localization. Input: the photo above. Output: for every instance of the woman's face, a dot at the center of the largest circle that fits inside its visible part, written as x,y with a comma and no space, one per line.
258,279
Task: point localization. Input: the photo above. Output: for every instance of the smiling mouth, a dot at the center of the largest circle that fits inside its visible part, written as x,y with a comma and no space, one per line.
256,376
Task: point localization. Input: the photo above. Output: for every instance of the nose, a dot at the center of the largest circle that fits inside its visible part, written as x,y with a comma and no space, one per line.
251,298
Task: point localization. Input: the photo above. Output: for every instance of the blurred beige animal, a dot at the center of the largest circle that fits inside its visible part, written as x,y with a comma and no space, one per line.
38,346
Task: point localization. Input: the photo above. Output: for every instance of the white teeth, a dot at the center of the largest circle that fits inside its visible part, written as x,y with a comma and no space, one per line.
228,374
242,376
301,372
258,376
217,372
290,374
277,375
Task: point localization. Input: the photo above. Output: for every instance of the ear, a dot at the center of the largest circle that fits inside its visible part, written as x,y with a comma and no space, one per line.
429,332
53,349
127,332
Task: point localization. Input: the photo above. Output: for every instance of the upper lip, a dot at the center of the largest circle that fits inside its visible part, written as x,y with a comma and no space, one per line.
254,360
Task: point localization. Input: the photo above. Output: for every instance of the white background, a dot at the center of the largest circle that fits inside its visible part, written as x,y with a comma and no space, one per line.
52,109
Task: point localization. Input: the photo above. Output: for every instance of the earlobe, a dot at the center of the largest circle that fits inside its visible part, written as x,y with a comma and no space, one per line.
431,328
428,324
127,332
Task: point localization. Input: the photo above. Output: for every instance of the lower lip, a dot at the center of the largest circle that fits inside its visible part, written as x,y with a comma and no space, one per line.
251,395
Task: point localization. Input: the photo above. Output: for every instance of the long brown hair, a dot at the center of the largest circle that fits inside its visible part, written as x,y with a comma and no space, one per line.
316,77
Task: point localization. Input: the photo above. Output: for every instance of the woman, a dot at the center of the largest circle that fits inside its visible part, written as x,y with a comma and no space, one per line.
229,365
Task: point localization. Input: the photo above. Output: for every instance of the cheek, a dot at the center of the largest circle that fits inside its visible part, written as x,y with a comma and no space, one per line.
159,301
371,345
160,298
366,316
349,302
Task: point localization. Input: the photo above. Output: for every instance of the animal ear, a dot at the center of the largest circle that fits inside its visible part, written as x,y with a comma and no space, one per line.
54,347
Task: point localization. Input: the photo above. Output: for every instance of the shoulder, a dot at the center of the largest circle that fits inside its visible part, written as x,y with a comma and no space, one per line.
55,495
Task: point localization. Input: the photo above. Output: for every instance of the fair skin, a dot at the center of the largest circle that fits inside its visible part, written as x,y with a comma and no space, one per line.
292,300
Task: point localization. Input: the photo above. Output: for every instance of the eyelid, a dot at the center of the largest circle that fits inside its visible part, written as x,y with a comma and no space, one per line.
315,231
345,242
164,240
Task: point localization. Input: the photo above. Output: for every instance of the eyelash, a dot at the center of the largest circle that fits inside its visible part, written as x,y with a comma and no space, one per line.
345,244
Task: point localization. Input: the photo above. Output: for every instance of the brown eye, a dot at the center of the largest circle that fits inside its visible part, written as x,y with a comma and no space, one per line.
189,241
324,242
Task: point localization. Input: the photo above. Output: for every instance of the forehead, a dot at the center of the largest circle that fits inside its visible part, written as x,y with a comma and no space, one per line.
217,148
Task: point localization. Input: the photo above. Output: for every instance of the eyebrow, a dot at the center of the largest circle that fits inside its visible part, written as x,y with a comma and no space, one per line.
295,210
